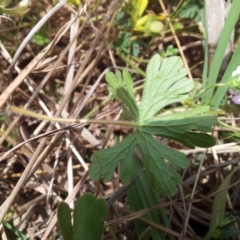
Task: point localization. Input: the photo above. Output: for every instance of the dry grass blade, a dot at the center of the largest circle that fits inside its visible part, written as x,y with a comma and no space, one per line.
17,81
5,96
139,214
61,116
33,31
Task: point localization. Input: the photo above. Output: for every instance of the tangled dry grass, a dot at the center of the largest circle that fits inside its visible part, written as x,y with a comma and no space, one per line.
44,163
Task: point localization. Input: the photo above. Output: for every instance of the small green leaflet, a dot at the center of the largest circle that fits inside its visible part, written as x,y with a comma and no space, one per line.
122,88
165,84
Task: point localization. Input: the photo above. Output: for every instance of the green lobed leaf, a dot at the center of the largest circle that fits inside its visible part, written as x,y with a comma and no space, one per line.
123,89
105,161
142,196
165,84
183,127
128,83
161,163
230,233
64,221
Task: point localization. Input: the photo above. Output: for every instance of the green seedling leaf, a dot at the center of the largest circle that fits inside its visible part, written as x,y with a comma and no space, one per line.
64,221
122,88
161,163
89,216
156,26
165,84
41,38
106,161
82,215
150,24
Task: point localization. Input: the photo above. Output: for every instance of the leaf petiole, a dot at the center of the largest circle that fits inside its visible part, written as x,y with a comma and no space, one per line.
69,120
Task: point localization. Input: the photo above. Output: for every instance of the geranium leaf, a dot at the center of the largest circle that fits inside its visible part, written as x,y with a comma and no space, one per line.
165,84
122,88
188,128
105,161
161,163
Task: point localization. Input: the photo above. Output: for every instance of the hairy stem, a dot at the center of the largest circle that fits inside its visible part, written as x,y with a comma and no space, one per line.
69,120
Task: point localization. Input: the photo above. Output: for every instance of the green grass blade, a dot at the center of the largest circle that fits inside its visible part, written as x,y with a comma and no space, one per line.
146,235
221,48
206,55
14,231
234,63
